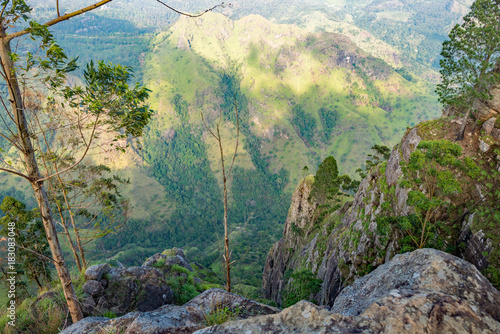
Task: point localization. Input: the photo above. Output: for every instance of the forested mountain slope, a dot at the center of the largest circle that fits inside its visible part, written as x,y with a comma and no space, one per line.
300,97
302,93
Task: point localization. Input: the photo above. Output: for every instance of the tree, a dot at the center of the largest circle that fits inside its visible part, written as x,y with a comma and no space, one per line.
106,104
382,153
430,177
328,182
87,202
225,175
469,59
33,249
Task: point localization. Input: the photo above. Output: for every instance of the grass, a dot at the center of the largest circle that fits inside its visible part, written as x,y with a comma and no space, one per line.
219,315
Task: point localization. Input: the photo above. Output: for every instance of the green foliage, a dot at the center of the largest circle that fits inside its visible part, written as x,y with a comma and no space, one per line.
430,175
327,182
109,314
33,250
381,154
219,315
159,264
328,119
404,73
470,56
303,284
297,230
305,123
108,96
44,316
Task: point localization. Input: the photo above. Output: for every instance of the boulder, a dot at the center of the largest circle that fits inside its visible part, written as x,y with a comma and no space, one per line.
300,318
168,258
489,125
495,101
89,325
428,272
95,272
136,288
483,111
93,288
495,133
218,298
173,319
484,146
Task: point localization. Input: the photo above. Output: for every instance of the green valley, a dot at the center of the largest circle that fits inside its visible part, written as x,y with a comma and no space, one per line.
309,80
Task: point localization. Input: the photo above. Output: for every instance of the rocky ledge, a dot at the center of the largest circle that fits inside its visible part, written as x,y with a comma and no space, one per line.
426,291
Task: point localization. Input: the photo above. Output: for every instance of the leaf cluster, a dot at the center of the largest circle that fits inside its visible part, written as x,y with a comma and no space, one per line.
32,250
470,56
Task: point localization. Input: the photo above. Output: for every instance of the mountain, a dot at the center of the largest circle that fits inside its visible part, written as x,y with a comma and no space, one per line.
348,100
300,97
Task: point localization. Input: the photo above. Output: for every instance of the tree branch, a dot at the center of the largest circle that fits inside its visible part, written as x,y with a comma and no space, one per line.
191,15
81,158
237,135
15,172
41,255
59,19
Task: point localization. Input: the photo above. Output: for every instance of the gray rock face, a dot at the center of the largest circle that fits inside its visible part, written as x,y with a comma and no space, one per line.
171,318
136,288
93,288
340,252
95,272
299,217
489,125
426,291
426,270
167,259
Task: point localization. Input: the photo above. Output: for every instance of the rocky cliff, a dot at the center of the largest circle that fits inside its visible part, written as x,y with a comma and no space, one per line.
426,291
349,243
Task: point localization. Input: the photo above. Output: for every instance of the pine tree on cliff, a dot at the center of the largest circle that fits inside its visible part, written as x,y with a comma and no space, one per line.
326,182
469,59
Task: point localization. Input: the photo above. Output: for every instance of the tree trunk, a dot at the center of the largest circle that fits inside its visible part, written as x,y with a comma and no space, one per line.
24,141
70,241
461,133
227,259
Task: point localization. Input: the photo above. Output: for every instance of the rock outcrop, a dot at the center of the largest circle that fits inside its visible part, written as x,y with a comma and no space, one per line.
426,291
172,318
123,290
349,243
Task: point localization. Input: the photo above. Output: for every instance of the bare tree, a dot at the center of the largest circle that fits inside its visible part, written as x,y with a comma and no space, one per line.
225,175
